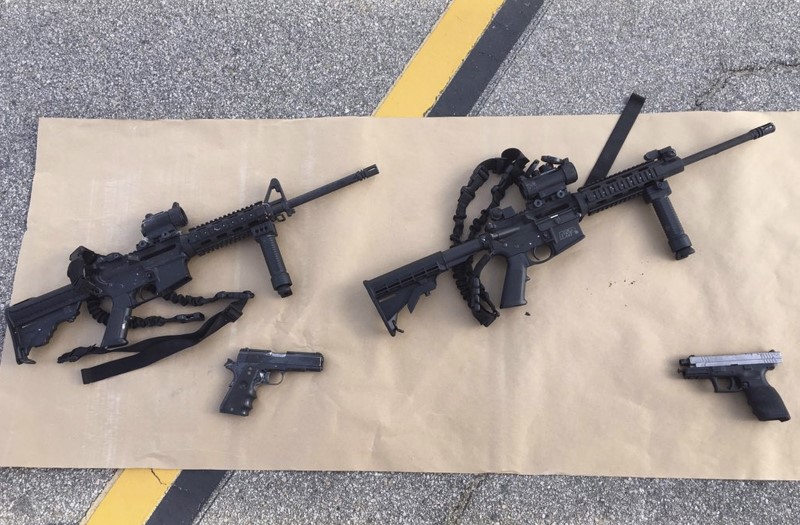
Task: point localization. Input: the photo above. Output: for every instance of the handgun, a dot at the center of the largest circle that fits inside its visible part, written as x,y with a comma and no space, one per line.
741,373
256,367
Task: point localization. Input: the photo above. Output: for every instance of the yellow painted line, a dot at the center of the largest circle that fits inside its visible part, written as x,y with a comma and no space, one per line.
438,59
135,493
133,497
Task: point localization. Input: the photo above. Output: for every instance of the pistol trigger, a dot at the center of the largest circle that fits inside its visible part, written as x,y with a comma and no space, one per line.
282,373
230,364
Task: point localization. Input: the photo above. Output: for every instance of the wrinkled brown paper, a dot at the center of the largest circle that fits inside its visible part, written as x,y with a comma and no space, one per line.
581,380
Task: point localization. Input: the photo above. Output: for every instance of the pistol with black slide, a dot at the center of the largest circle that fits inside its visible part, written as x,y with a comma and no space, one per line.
257,367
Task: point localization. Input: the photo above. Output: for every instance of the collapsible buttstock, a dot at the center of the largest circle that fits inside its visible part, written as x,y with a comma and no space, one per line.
33,321
403,287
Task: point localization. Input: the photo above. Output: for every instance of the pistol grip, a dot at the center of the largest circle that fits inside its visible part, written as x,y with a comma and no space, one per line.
514,284
117,327
242,390
766,403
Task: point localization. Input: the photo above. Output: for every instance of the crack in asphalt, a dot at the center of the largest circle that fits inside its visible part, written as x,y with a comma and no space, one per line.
725,77
464,499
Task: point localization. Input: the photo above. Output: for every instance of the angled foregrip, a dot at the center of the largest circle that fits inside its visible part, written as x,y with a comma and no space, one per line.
242,390
281,281
514,284
118,321
765,401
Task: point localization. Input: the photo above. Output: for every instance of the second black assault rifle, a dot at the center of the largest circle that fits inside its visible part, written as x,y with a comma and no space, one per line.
547,226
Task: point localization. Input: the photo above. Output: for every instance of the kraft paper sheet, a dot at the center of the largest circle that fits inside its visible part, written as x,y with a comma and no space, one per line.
581,380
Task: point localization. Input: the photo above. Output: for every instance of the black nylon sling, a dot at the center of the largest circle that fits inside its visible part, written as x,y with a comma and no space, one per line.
155,349
617,138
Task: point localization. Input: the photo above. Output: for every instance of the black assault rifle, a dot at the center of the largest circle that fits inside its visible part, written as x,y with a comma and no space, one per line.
156,268
545,228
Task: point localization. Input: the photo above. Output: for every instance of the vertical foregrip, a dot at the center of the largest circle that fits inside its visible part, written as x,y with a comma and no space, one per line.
279,275
678,241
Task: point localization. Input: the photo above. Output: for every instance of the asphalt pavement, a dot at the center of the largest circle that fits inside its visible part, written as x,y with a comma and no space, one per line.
267,59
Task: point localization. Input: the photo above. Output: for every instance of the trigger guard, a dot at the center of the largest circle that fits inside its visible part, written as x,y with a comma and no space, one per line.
268,375
533,259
